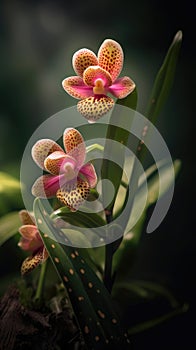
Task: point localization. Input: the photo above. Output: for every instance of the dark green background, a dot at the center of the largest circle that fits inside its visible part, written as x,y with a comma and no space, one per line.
37,40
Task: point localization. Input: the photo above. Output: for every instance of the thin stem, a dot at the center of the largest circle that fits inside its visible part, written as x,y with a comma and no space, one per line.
41,281
108,257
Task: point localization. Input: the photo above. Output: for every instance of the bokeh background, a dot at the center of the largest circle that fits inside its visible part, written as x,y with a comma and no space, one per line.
37,40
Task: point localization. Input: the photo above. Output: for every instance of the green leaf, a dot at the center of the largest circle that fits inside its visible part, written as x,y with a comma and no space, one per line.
165,171
138,290
141,327
110,170
90,300
164,79
9,225
10,194
126,253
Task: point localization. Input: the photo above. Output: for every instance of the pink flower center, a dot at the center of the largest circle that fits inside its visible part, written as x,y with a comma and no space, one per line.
99,89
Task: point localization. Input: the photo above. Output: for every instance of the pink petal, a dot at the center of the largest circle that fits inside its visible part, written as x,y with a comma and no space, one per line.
26,218
28,231
46,186
88,171
110,57
30,240
93,108
75,87
74,145
122,87
91,74
82,59
54,162
42,149
73,194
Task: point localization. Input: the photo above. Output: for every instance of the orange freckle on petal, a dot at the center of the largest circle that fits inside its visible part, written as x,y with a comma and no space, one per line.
71,271
82,271
57,260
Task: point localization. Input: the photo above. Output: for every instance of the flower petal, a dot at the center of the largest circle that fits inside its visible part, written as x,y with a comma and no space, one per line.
122,87
42,149
74,194
74,145
54,162
93,108
46,186
26,218
88,171
30,240
82,59
91,74
110,57
75,87
28,231
31,262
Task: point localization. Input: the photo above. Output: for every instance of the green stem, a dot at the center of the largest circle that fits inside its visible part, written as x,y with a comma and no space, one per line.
108,258
39,291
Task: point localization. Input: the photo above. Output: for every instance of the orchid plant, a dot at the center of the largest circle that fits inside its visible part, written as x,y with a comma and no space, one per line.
96,280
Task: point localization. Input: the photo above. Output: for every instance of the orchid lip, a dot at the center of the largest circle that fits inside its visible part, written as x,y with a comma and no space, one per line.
99,87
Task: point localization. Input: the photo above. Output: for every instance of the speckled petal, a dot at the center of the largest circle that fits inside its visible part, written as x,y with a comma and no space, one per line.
46,186
122,87
55,161
73,194
82,59
110,58
88,171
75,87
42,149
93,108
31,262
26,218
74,145
91,74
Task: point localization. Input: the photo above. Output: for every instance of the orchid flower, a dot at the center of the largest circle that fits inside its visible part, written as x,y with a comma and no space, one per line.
31,241
70,179
96,77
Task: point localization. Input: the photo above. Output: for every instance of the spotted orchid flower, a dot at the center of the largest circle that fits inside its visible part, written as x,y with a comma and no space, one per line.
96,77
70,179
31,242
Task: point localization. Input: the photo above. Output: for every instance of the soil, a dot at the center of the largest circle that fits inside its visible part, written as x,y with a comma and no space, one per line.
23,328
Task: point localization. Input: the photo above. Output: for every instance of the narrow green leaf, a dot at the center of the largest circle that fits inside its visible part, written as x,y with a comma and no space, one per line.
90,300
141,327
9,225
164,79
10,193
125,255
138,290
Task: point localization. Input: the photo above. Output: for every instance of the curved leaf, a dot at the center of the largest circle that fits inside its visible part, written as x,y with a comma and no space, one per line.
90,300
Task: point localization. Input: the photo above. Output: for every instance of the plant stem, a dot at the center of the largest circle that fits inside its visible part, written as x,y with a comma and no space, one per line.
41,281
108,257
